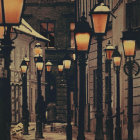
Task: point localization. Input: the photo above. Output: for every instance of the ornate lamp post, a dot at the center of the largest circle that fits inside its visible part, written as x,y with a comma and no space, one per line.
67,64
99,19
109,122
82,40
25,111
39,103
9,16
117,63
131,68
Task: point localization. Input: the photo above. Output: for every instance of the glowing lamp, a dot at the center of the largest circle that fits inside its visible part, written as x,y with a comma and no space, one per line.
39,63
60,68
82,34
109,50
37,49
11,12
23,66
48,66
100,18
129,43
116,58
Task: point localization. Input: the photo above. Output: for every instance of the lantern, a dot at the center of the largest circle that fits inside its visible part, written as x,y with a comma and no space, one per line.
39,63
37,49
23,66
82,35
129,43
60,68
48,66
109,50
11,12
100,18
27,60
116,58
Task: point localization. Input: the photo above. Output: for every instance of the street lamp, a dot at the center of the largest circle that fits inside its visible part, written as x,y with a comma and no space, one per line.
117,63
99,19
131,68
67,64
25,111
48,66
9,16
109,122
39,103
82,34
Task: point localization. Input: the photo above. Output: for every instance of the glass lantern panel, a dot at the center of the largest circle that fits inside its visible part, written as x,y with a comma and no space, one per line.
67,64
82,40
49,67
13,10
60,68
109,54
37,51
129,47
117,61
23,69
39,66
100,22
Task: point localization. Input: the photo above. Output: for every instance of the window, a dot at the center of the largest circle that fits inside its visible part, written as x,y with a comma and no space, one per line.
72,42
47,30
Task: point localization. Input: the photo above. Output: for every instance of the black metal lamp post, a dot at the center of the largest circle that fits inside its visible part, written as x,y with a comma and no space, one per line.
39,103
99,19
82,40
9,16
109,122
131,68
25,111
48,66
67,64
117,63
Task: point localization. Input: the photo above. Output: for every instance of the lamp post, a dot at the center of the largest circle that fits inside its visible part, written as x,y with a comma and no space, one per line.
109,122
67,64
117,63
131,68
9,16
48,66
39,103
25,111
99,19
82,35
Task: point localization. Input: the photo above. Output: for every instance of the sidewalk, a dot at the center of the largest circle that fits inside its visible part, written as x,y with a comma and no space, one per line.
57,134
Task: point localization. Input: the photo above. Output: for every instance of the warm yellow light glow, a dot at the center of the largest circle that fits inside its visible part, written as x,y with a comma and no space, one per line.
67,64
48,66
23,69
117,61
129,47
1,32
13,10
39,66
100,22
74,56
82,40
60,68
37,51
72,26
